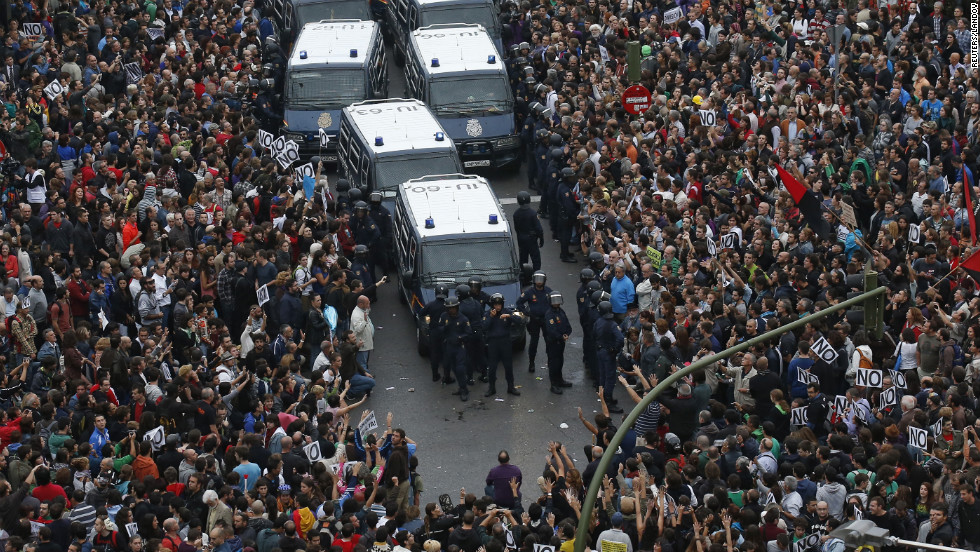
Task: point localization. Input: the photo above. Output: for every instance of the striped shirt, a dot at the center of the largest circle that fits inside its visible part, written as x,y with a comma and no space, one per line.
649,419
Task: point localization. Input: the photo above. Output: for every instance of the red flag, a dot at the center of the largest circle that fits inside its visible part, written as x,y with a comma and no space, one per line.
808,203
968,196
972,263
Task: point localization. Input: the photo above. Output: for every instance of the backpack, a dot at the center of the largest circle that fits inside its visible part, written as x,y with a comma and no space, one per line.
864,361
958,359
136,308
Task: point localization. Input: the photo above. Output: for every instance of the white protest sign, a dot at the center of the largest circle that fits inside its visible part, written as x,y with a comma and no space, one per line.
324,138
154,32
291,151
283,161
937,428
847,215
804,544
303,171
133,72
866,377
914,233
799,416
368,424
672,15
36,527
842,233
54,90
729,240
262,294
544,548
278,145
918,438
265,139
888,397
33,30
312,451
708,117
824,350
805,377
157,437
132,529
712,249
898,379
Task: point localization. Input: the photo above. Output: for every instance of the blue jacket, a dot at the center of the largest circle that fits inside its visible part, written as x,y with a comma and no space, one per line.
622,293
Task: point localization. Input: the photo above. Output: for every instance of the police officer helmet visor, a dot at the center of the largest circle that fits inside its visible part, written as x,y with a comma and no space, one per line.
539,278
452,302
555,299
497,299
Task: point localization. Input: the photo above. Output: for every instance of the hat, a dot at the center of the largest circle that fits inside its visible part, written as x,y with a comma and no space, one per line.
697,100
617,519
225,357
646,50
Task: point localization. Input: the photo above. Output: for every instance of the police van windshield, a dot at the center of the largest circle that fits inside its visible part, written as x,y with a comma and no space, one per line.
470,96
323,88
348,9
475,13
393,172
447,261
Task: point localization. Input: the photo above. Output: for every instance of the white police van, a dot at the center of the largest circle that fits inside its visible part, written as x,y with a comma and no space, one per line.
456,71
383,143
290,16
448,228
333,64
404,16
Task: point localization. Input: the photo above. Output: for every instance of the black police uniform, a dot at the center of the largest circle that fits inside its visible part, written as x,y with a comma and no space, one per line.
434,310
534,302
567,212
456,331
365,230
476,357
550,194
608,339
556,329
382,255
530,235
583,303
499,348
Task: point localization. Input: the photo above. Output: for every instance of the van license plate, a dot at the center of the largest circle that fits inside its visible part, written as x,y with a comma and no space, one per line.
479,163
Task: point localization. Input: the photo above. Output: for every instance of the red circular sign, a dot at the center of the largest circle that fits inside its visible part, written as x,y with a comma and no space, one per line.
637,99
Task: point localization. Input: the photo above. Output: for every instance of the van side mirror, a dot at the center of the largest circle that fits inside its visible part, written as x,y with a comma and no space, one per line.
407,276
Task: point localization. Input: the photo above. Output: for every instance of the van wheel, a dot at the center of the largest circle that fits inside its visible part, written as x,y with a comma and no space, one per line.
423,348
520,343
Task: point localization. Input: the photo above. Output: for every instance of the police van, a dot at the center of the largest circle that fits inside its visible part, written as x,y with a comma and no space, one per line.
447,229
383,143
456,71
290,16
404,16
333,64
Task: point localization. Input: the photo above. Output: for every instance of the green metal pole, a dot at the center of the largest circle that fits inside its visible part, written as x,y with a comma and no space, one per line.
589,502
633,56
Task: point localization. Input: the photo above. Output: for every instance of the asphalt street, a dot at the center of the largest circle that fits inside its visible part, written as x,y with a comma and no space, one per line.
458,442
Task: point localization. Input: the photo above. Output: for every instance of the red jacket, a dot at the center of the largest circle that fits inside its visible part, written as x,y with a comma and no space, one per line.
78,292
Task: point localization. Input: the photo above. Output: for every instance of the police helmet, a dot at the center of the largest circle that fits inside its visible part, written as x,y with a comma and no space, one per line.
523,198
360,206
462,291
599,296
586,275
360,250
568,174
525,46
546,114
557,153
555,299
497,299
441,291
596,260
343,185
375,198
539,278
673,442
475,283
593,286
605,310
530,81
514,51
537,108
355,194
555,140
453,302
541,134
267,85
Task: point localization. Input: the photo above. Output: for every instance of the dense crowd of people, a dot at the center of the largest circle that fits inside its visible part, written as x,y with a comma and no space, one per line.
187,333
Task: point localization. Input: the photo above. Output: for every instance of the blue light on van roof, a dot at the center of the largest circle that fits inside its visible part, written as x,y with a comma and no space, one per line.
302,54
493,219
429,223
440,137
353,52
491,59
379,141
435,62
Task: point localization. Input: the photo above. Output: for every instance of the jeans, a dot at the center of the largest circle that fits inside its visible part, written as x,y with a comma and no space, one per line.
362,359
360,385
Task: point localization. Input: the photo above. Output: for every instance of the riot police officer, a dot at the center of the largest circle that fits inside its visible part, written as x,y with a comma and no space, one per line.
549,197
362,225
583,298
363,270
264,109
472,309
496,324
476,291
534,302
456,331
609,339
530,235
382,218
568,209
432,314
557,328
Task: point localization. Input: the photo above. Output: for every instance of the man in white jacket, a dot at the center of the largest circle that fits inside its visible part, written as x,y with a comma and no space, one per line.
363,327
